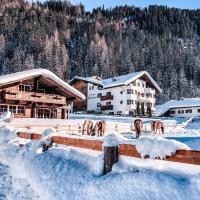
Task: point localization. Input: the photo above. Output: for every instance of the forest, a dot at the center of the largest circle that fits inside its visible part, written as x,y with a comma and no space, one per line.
69,41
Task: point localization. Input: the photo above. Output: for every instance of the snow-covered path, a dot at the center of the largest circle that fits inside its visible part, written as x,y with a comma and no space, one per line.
14,188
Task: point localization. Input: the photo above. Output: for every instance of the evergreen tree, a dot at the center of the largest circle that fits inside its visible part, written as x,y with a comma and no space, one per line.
138,111
149,110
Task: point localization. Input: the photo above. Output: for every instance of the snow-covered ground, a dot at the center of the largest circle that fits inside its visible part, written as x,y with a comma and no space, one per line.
66,173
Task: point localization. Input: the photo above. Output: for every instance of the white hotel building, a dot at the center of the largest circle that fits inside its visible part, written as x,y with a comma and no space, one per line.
120,95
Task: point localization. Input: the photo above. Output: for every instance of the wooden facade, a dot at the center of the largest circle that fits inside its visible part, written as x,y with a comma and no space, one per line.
82,87
35,97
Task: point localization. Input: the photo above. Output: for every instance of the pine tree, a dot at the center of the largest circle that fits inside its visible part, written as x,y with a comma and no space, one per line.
149,110
142,109
138,109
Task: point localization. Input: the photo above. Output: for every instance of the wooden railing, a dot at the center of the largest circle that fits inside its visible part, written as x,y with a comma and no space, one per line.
182,156
36,97
107,97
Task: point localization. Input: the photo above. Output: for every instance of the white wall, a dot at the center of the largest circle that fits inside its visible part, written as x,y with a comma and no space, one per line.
194,113
120,94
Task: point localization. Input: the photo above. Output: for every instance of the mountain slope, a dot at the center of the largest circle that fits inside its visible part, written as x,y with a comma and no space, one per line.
70,41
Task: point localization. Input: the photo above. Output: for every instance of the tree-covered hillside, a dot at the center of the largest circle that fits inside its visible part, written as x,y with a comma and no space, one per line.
106,42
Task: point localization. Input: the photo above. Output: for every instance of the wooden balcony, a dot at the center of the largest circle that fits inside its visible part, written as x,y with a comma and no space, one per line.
107,97
108,107
36,97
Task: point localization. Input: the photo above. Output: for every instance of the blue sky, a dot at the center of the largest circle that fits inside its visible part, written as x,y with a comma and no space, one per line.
90,4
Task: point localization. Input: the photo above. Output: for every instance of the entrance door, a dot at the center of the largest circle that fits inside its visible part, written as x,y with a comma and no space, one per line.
43,113
63,114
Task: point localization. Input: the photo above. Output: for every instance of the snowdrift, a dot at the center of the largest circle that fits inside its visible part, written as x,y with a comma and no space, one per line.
75,174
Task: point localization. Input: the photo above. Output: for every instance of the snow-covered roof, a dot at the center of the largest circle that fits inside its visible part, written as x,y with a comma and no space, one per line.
14,77
183,103
118,80
86,79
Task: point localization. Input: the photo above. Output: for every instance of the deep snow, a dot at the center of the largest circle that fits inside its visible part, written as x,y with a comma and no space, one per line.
72,174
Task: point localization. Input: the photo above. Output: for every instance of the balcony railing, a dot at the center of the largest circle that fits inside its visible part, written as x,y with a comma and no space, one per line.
107,97
107,107
36,97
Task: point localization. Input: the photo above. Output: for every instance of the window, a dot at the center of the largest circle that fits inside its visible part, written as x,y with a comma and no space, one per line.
98,104
135,91
108,93
99,95
143,85
121,102
3,108
119,112
172,112
53,113
148,95
134,83
189,111
13,109
108,103
24,87
142,94
129,102
111,113
84,89
138,93
121,92
138,84
129,91
91,88
180,111
43,113
21,110
198,110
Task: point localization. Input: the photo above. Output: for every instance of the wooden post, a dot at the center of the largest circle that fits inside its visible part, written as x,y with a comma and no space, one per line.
110,157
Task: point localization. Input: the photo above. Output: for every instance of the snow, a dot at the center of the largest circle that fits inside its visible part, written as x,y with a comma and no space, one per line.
119,80
194,124
113,140
46,136
155,146
66,173
183,103
6,116
7,133
10,78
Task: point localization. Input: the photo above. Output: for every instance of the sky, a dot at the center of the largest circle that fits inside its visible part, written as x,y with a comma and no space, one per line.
90,4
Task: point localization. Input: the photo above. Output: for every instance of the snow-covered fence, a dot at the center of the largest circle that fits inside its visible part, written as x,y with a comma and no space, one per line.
182,156
75,128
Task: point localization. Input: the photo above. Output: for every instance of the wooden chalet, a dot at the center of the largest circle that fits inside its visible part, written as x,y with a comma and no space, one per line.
81,84
36,93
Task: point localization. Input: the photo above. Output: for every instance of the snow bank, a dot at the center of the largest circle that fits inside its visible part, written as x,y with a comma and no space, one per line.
6,133
6,116
46,136
155,146
114,139
72,173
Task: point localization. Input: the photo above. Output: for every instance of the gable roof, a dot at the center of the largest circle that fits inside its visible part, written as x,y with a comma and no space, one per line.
46,75
119,80
85,79
183,103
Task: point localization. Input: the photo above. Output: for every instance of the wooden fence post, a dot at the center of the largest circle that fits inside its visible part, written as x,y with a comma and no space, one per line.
110,157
